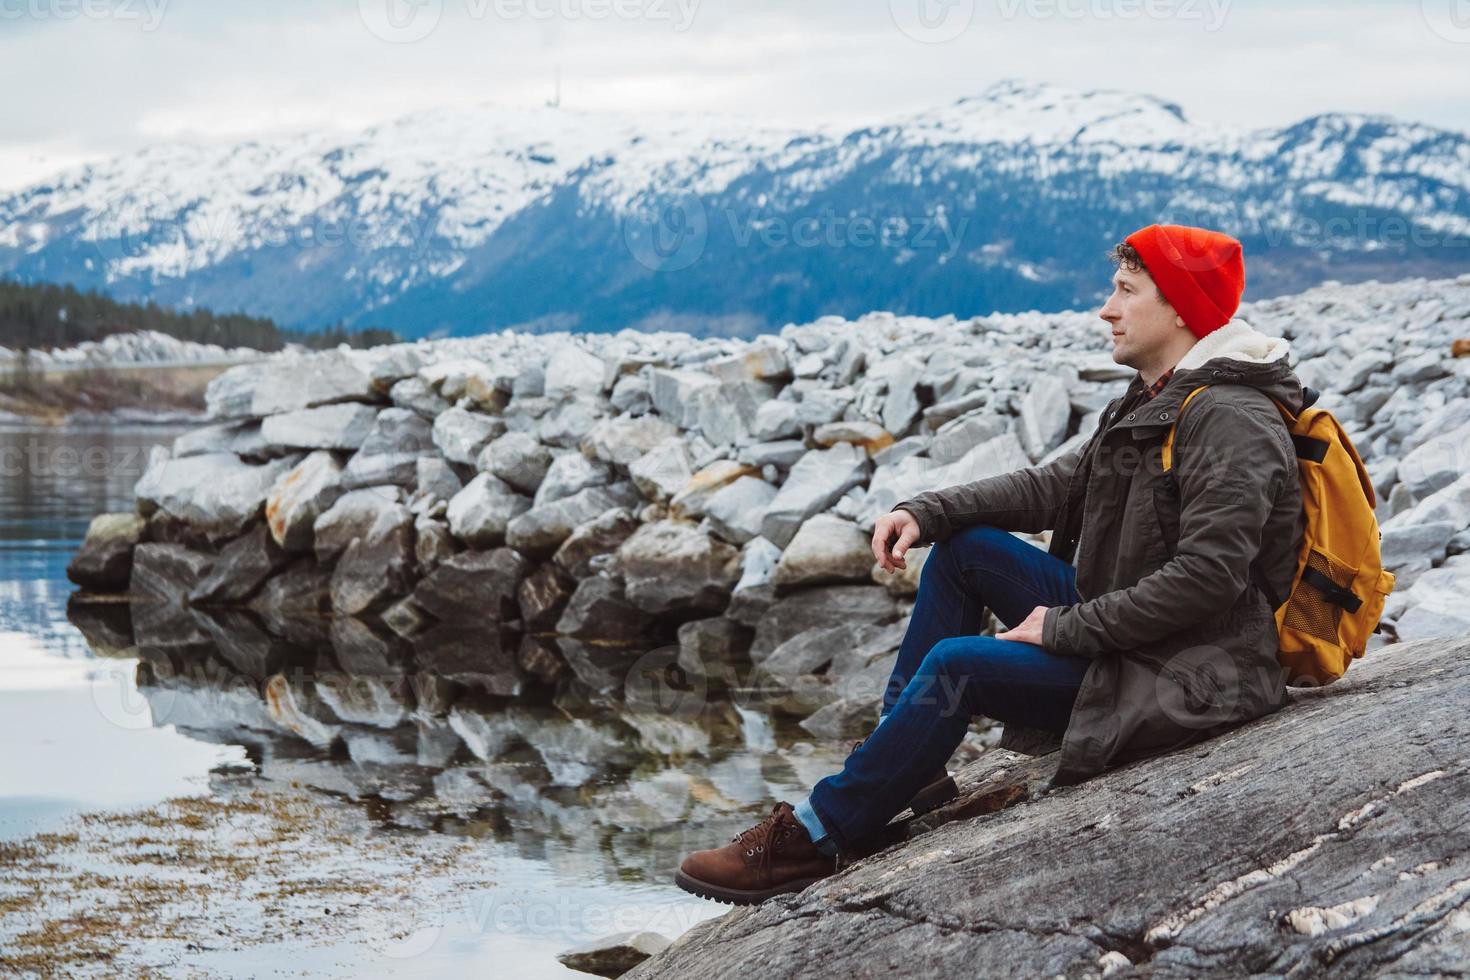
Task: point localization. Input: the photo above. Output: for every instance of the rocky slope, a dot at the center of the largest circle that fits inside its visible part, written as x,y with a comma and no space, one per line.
517,512
1328,836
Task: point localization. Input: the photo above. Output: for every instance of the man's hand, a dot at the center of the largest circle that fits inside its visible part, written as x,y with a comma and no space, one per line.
898,524
1028,630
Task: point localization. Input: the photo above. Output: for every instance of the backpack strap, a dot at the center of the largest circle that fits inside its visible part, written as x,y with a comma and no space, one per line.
1168,457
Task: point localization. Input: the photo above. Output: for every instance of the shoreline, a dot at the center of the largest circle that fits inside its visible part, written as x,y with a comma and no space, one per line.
129,393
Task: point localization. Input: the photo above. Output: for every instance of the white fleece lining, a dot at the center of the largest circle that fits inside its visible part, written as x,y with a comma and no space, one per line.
1236,339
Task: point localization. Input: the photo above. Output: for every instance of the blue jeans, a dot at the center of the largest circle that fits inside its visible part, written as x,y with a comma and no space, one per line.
945,674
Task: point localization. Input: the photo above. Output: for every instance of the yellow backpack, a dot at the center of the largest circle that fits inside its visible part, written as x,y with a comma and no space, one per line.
1340,585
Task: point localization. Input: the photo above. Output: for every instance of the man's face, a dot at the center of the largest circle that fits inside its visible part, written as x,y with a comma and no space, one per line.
1142,321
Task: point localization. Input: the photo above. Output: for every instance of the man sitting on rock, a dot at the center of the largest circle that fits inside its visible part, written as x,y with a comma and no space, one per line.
1143,628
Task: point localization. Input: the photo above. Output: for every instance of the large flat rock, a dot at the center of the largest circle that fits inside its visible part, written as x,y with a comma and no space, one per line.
1331,834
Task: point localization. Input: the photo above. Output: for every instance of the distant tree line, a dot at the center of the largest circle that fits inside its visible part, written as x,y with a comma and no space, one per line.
43,315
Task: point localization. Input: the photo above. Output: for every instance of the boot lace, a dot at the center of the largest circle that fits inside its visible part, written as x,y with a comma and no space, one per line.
765,838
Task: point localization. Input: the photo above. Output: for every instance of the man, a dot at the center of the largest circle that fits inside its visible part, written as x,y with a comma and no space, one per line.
1159,635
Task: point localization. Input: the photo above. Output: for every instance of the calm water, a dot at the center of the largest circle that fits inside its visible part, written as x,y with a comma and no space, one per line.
586,803
59,704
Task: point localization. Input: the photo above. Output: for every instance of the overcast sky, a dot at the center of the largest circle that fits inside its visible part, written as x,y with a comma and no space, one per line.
86,79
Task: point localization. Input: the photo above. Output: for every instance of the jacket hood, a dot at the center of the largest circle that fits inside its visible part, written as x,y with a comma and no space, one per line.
1237,353
1238,341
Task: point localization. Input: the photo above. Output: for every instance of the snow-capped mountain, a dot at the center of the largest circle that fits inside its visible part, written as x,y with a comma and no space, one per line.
470,220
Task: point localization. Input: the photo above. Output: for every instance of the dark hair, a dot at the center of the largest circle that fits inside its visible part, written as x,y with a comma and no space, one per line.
1127,256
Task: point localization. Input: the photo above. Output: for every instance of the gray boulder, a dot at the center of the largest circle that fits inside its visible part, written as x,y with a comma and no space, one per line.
432,543
709,480
825,549
1436,463
241,438
1411,549
594,539
737,509
474,586
283,384
519,459
391,451
762,360
1436,602
623,439
569,422
782,453
845,718
461,434
215,493
300,496
418,395
914,474
663,471
104,562
434,485
242,566
480,513
957,437
570,472
1045,412
672,565
343,426
814,484
1363,366
630,395
356,514
776,420
717,649
167,571
600,611
678,394
828,605
542,529
572,370
541,596
375,568
1450,504
295,603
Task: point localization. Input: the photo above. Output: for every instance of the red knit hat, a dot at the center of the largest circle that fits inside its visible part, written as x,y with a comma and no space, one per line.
1200,272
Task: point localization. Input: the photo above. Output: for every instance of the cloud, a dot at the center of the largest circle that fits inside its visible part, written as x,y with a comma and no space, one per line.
119,74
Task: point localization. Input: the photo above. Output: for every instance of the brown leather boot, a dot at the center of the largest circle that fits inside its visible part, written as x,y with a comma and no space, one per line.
937,790
773,857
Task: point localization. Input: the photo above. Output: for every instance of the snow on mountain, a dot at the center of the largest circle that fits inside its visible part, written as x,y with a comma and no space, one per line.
458,221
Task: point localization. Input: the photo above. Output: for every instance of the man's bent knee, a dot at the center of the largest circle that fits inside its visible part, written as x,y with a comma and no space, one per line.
969,540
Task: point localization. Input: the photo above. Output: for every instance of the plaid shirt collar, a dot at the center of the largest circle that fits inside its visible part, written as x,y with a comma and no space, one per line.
1158,386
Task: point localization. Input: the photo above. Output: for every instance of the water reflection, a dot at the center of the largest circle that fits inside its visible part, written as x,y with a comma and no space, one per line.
53,481
617,786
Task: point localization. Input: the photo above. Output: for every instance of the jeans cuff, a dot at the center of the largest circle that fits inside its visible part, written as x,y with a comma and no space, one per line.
814,828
